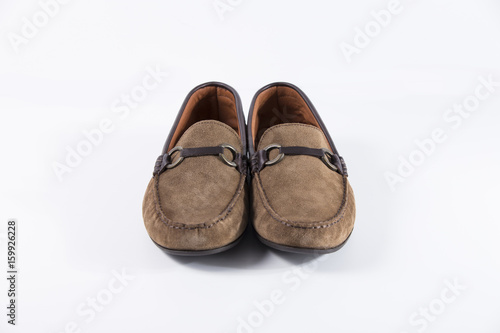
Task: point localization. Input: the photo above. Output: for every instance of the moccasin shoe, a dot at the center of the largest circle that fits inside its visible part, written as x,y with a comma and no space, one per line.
196,202
301,198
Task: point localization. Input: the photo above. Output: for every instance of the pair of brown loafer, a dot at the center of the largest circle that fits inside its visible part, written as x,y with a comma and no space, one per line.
283,170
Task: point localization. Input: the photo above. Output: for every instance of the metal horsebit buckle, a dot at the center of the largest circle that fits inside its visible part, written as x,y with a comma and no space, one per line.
221,155
326,158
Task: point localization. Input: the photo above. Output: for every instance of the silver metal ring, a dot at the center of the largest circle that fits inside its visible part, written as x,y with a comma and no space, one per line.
178,161
327,159
233,152
275,160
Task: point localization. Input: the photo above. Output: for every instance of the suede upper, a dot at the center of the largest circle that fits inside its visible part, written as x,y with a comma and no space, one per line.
301,197
300,187
299,201
202,203
200,188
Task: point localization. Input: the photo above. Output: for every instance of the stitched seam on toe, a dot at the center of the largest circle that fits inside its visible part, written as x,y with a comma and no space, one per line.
338,217
205,225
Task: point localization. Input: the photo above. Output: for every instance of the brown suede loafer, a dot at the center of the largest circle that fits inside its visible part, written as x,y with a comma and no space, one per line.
301,199
197,202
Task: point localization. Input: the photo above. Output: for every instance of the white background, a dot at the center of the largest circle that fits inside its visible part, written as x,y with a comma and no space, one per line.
440,224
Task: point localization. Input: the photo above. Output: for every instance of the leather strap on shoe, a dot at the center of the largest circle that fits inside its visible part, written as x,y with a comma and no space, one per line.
261,158
165,161
302,151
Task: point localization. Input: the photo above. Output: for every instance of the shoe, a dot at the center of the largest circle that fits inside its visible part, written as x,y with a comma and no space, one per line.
197,202
302,201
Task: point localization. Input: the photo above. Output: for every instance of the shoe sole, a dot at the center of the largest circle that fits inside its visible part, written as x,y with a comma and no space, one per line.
300,250
196,253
